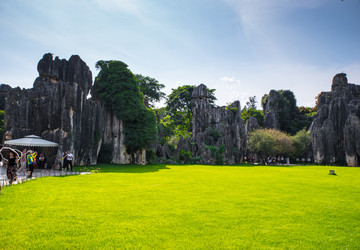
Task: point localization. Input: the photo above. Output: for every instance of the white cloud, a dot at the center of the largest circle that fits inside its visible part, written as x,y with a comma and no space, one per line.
230,80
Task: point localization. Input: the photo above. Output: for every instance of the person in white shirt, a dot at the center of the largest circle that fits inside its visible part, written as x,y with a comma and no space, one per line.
70,158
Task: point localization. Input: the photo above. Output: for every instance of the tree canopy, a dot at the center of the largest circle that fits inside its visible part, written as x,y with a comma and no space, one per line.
251,104
258,114
250,110
291,120
270,142
151,89
118,89
179,104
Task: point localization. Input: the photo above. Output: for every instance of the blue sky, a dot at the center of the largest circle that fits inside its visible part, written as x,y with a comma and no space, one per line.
241,48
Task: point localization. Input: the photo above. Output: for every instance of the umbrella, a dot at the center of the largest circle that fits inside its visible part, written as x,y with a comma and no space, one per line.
31,141
5,152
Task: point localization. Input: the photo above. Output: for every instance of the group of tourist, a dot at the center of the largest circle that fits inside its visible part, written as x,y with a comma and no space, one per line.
28,161
273,160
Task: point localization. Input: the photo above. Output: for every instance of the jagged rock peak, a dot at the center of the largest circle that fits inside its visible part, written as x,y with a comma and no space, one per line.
74,70
336,127
271,110
339,80
200,92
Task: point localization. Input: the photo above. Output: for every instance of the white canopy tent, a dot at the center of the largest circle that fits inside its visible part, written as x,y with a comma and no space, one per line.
31,141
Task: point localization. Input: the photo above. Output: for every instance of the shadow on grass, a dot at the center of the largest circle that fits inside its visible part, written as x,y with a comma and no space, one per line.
131,169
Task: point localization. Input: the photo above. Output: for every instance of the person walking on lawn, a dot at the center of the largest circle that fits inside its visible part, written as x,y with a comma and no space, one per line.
70,158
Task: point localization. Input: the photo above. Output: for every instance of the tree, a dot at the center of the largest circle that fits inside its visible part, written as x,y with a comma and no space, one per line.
302,142
258,114
179,105
270,142
151,89
118,89
251,104
291,120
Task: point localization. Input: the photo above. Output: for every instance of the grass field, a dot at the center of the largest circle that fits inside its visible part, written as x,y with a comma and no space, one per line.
185,207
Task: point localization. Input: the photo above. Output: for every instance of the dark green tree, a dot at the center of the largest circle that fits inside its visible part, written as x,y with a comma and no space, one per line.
250,110
258,114
302,142
151,89
179,105
291,120
118,89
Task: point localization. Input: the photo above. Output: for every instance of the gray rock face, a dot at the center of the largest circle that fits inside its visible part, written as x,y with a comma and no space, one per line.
271,119
218,133
4,91
57,109
251,125
336,127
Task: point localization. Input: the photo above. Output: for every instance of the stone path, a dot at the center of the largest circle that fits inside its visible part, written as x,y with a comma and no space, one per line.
38,173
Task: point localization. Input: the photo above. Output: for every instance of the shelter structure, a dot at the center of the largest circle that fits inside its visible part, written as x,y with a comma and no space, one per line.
31,141
34,141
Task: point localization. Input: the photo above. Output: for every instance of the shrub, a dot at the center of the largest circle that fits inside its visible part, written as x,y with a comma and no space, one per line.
105,154
185,156
269,142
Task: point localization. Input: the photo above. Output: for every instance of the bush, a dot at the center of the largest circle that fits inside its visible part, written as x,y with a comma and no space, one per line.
150,155
214,133
105,154
217,153
185,156
270,142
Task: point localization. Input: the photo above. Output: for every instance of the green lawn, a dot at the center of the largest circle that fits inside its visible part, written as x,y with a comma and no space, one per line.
182,207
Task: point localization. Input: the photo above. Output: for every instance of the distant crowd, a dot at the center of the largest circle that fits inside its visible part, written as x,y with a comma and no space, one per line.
28,161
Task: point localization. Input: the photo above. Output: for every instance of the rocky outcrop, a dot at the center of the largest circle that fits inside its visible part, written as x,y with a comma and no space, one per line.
57,108
271,110
218,133
336,127
251,125
4,91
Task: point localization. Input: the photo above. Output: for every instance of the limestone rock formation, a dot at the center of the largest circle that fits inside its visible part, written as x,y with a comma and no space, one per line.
251,125
336,127
218,133
4,91
57,108
271,110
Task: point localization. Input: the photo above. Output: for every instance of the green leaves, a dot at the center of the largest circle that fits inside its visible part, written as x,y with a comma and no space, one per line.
270,142
258,114
151,89
118,89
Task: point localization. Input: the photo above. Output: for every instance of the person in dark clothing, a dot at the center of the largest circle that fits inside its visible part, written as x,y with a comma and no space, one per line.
31,161
42,161
70,157
11,167
65,162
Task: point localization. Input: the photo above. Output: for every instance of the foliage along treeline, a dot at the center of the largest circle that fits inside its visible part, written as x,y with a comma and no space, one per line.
176,117
131,98
272,142
291,118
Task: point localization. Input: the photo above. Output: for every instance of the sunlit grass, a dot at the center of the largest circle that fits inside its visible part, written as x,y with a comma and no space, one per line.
179,207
